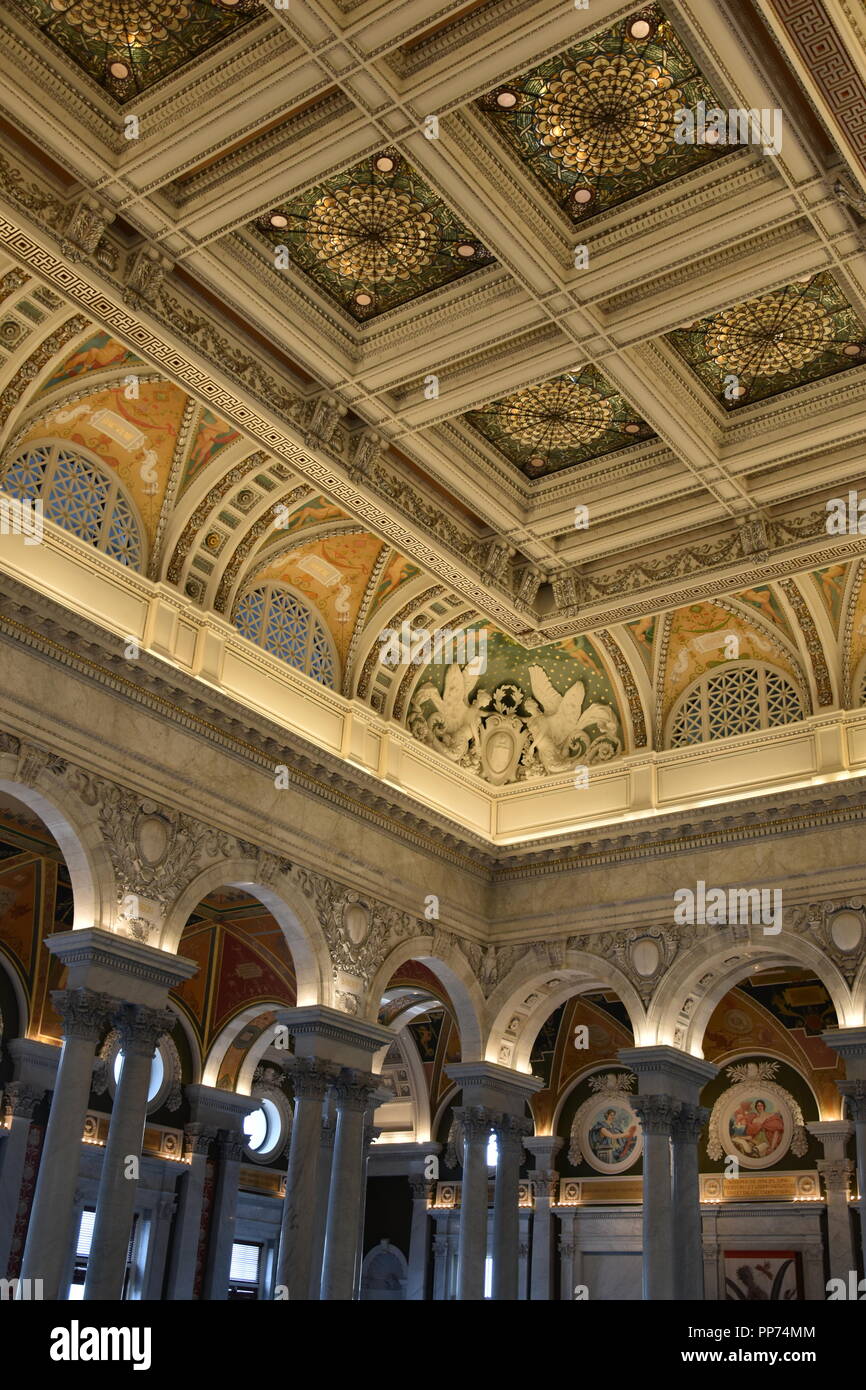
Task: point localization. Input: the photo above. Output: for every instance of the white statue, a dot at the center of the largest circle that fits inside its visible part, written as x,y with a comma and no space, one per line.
555,720
457,721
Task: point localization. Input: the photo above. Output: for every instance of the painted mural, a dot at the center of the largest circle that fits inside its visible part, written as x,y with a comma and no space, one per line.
831,582
765,601
317,512
99,353
134,438
398,571
333,572
700,637
212,435
644,634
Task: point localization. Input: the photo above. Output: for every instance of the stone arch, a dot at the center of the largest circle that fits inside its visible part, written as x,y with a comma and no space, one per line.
683,1005
16,985
26,775
190,1037
528,995
220,1045
287,905
414,1066
457,977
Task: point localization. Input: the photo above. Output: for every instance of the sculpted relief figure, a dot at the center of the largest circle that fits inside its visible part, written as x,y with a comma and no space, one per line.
556,722
457,721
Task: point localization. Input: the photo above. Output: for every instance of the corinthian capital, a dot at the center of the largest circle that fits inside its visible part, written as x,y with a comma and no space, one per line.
20,1100
141,1028
510,1131
85,1012
836,1173
855,1094
310,1078
477,1122
688,1123
354,1089
656,1113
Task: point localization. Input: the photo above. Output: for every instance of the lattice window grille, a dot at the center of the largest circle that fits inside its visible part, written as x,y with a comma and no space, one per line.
277,619
732,700
80,495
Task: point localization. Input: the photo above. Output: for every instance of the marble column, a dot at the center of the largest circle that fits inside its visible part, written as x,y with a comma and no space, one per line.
352,1092
371,1134
187,1225
347,1044
441,1262
221,1235
310,1081
85,1014
850,1043
670,1083
419,1240
476,1121
510,1131
688,1123
140,1030
855,1094
323,1187
19,1104
836,1169
656,1114
545,1181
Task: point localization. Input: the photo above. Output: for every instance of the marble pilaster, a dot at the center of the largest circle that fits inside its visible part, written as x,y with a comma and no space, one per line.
545,1181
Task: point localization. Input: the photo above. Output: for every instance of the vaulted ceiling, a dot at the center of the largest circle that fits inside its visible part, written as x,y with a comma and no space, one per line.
453,293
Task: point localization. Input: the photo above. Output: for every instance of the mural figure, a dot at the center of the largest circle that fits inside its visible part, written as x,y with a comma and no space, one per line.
755,1129
612,1139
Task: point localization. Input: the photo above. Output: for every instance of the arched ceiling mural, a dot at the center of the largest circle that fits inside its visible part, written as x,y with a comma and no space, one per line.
549,373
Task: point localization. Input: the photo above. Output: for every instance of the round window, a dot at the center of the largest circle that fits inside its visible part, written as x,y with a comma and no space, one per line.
263,1127
157,1073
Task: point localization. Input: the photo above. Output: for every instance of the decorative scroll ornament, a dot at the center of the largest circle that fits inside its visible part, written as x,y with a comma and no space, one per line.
840,930
359,930
756,1121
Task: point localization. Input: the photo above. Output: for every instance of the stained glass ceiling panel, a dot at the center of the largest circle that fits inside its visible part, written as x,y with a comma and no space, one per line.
560,423
374,237
801,333
128,45
597,124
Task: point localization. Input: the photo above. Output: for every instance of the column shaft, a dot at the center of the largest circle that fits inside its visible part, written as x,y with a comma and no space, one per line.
140,1030
299,1207
509,1131
419,1241
686,1201
187,1224
656,1113
20,1101
472,1245
85,1015
352,1093
215,1286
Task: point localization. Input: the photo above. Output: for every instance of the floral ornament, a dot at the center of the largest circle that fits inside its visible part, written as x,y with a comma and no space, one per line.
124,22
558,423
769,335
609,115
803,332
555,415
370,233
506,698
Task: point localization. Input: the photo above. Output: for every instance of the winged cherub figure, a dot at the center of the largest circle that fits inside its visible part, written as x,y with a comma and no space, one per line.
457,721
556,719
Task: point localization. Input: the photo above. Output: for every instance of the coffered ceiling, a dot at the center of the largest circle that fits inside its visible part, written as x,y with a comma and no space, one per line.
451,280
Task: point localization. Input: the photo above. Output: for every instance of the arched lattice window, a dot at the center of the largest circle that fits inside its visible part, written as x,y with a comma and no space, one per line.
80,494
734,699
282,622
